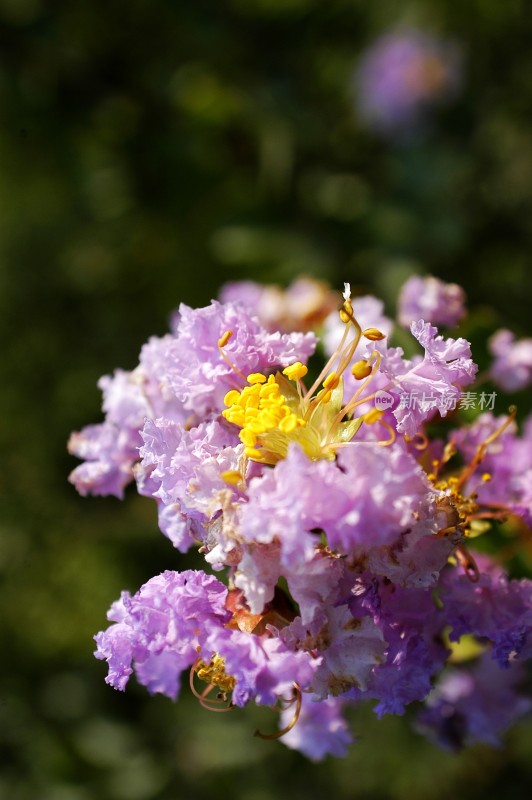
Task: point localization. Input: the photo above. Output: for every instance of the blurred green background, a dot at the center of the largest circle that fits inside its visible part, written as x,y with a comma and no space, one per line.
149,152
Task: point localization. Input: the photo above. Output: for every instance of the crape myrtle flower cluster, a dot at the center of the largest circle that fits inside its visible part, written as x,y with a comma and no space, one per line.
338,536
402,76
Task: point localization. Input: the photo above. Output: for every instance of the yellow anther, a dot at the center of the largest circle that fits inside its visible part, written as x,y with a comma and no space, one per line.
251,413
268,419
214,673
235,414
344,316
373,416
255,426
324,395
247,438
222,341
374,334
331,381
269,389
256,377
361,370
231,397
295,371
231,476
288,424
252,400
256,455
486,477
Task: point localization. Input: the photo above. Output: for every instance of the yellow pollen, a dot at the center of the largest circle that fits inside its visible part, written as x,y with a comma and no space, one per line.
323,396
256,377
373,416
374,334
361,370
345,317
231,476
215,674
331,381
222,341
288,424
247,437
486,477
231,397
295,371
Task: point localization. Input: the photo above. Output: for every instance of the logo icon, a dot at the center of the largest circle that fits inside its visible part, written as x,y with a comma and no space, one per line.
384,400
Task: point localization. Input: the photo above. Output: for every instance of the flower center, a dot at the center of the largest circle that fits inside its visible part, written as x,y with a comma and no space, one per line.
276,410
214,673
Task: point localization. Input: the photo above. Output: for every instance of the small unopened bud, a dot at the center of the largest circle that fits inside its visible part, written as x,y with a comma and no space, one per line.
374,334
361,370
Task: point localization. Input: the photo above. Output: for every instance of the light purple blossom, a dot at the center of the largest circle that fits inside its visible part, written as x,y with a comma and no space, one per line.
432,299
435,382
196,370
347,561
157,632
175,619
512,367
182,470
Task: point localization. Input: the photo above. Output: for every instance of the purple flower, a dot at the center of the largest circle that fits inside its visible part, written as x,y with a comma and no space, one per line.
435,382
264,669
182,469
476,704
507,463
366,498
429,298
494,608
300,307
411,626
402,77
320,730
344,549
195,368
512,368
178,618
109,453
157,632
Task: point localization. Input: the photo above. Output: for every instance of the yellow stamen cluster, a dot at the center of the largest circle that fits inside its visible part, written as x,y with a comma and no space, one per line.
463,508
259,409
215,674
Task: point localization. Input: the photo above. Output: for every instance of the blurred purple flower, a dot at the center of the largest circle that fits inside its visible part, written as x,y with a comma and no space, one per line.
464,708
512,367
429,298
402,76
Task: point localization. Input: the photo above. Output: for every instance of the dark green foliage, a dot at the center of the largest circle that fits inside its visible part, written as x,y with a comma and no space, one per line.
149,152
